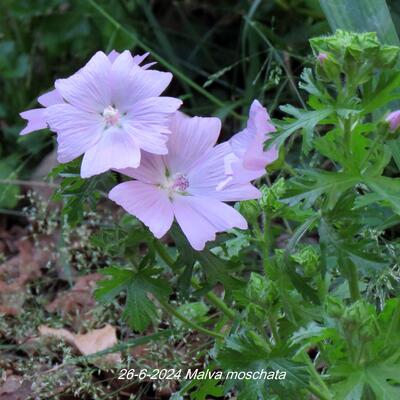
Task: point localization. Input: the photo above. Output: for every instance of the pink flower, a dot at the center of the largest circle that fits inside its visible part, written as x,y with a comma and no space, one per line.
182,184
109,111
248,160
394,120
322,57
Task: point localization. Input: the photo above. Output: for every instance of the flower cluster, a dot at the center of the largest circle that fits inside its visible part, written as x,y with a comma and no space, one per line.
111,111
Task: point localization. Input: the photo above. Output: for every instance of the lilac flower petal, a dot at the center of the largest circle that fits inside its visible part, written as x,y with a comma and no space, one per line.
259,120
148,122
148,65
120,78
76,130
147,202
241,141
112,55
50,98
151,169
116,149
36,120
201,218
138,59
131,83
192,138
237,192
210,172
89,88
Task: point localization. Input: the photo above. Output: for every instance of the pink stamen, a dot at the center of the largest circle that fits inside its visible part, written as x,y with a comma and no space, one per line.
180,182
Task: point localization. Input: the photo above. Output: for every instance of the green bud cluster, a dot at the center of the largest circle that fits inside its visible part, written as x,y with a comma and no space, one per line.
356,55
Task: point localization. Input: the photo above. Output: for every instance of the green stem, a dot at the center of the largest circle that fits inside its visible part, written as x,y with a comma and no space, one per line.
211,297
216,301
188,322
266,244
325,394
347,139
289,169
315,390
352,278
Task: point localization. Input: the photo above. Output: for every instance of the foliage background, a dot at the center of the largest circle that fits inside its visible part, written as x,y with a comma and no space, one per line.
236,50
225,53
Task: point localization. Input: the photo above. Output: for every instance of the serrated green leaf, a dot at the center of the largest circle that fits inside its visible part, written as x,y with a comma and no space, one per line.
139,310
248,352
386,190
312,184
303,120
110,288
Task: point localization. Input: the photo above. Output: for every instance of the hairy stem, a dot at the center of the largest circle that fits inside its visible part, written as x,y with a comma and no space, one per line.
352,278
325,393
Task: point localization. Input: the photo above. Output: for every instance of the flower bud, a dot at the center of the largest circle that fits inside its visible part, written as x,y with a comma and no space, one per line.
393,120
322,57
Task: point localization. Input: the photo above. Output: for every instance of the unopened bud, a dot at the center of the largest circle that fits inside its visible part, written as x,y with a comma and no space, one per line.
322,57
393,120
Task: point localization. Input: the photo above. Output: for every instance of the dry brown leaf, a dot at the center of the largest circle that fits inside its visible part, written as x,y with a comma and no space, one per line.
89,343
15,388
16,272
79,299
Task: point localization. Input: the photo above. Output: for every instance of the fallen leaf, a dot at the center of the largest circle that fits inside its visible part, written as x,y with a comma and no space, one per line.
89,343
16,272
15,388
77,300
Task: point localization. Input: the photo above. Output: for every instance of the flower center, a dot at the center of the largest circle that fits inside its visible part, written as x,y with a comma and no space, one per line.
180,182
111,115
177,183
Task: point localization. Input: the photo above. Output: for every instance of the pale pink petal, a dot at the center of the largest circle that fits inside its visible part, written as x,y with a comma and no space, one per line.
192,138
201,218
148,65
255,157
131,83
146,202
151,169
112,55
209,170
149,121
138,59
209,177
36,120
259,120
115,150
77,130
119,80
89,88
50,98
241,141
